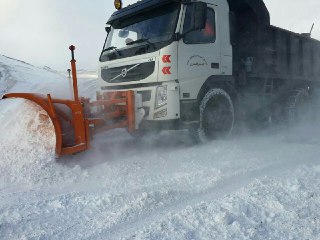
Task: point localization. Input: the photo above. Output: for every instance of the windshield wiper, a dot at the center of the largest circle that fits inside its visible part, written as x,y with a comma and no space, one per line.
141,40
112,48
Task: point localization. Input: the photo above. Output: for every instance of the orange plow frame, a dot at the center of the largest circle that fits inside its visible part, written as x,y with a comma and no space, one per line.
76,121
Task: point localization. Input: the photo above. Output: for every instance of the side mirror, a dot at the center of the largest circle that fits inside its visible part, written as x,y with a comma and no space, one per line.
198,15
108,29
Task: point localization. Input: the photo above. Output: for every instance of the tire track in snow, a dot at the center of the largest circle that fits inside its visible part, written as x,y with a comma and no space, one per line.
126,224
222,189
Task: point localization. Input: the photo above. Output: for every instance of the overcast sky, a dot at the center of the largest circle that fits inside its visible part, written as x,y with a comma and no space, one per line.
40,31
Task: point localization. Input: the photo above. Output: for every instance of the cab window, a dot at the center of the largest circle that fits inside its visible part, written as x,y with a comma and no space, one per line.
206,35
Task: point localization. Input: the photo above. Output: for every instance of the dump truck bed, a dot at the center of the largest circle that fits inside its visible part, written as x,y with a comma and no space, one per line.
279,53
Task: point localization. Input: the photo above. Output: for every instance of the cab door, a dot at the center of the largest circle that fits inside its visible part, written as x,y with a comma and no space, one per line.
199,54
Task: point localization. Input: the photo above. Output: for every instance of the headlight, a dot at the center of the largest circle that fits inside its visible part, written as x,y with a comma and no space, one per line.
161,97
161,114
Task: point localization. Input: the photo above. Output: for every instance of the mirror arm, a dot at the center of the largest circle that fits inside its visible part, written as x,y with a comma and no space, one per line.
105,41
108,29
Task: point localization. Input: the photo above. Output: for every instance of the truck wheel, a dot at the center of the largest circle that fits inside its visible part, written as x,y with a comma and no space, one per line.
297,105
216,117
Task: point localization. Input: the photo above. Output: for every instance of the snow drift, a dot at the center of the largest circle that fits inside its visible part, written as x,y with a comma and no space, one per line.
27,142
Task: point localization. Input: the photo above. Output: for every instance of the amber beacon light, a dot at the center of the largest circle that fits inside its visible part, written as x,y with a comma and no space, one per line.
118,4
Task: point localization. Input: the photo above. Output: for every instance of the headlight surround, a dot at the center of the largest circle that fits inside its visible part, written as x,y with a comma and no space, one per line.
161,96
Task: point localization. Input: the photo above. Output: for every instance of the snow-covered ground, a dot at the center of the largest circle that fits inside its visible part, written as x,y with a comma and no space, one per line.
262,185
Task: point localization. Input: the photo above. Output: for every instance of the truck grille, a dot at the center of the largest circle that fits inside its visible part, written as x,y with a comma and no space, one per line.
128,73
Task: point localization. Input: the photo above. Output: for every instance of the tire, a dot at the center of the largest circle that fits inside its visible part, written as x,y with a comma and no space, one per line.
296,107
216,117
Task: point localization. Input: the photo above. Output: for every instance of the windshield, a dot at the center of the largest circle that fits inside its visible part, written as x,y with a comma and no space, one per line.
145,29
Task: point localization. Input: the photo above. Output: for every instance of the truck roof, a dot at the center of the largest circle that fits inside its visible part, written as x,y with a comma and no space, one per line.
237,6
135,8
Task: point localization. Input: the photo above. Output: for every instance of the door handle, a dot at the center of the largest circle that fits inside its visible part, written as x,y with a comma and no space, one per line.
215,65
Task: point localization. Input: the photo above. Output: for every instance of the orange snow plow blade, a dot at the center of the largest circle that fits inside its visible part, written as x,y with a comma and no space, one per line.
76,121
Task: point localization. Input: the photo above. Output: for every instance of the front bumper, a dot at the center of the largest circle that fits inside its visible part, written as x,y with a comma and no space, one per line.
171,108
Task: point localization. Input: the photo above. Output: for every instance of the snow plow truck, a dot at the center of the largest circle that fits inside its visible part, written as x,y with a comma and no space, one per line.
195,65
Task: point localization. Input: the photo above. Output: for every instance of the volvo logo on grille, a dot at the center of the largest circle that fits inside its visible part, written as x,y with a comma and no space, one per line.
124,72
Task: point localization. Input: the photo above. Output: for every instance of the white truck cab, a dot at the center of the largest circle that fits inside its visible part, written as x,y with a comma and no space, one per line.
165,51
199,63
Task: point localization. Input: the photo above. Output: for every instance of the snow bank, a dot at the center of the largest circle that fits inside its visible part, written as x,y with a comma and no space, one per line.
19,76
24,77
27,140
